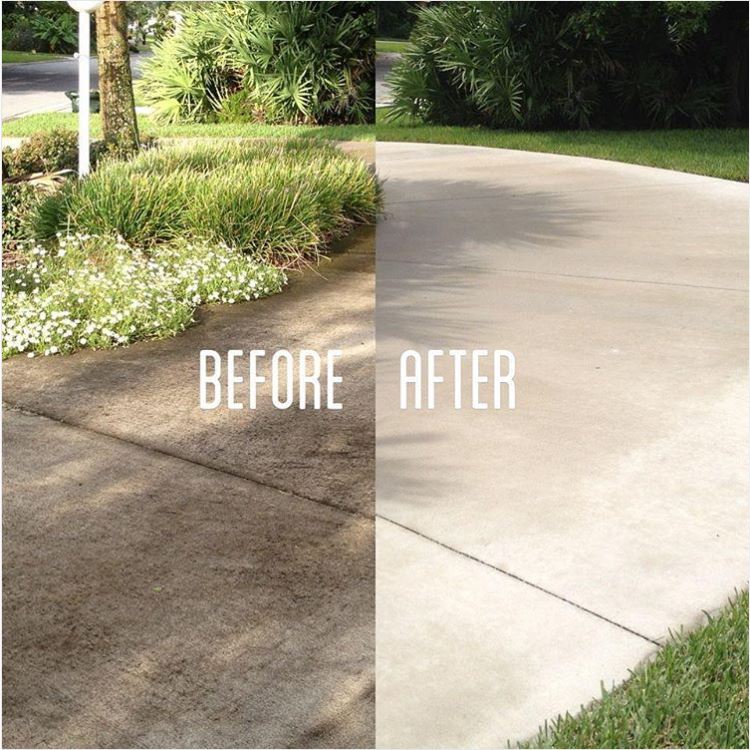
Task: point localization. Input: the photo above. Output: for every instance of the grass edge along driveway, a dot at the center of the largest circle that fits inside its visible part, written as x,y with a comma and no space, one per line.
693,693
714,152
391,45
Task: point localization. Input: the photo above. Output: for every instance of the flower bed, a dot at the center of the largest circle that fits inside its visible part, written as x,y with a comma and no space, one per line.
128,252
100,292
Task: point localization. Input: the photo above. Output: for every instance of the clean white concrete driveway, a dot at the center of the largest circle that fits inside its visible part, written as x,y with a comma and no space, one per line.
526,556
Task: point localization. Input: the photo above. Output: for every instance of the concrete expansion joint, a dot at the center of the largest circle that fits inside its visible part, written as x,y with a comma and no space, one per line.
522,580
616,279
258,481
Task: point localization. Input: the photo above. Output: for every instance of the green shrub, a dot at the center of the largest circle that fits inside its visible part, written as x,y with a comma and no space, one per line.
293,62
18,34
20,200
57,30
575,65
39,27
281,202
53,150
99,292
43,152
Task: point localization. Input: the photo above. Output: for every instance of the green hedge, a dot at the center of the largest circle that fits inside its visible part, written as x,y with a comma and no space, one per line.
537,65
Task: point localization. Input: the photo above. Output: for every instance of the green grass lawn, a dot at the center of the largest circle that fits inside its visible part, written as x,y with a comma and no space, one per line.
693,694
25,126
10,56
713,152
391,45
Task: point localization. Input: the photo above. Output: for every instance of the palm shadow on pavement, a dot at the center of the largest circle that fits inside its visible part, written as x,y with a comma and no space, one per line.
441,245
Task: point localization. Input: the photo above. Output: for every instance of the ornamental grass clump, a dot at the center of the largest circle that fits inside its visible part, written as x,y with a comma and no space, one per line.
99,292
280,202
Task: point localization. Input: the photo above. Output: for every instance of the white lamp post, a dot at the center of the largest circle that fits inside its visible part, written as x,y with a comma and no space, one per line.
84,10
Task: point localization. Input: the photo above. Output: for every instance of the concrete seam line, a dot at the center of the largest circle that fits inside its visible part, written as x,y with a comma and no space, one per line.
520,579
566,275
252,480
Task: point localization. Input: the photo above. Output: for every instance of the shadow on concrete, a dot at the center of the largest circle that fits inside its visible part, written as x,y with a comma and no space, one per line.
148,393
453,241
163,600
433,256
150,603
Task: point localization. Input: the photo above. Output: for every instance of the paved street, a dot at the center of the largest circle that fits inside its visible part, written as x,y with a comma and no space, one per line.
41,87
526,556
384,63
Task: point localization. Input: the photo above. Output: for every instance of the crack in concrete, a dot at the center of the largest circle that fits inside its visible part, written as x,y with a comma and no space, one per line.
520,579
333,506
255,479
569,275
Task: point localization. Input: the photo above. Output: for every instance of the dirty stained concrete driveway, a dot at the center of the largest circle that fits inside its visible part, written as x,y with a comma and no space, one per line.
179,578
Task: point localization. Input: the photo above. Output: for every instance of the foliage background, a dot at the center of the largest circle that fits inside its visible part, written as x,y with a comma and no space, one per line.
40,27
395,20
52,26
274,62
540,65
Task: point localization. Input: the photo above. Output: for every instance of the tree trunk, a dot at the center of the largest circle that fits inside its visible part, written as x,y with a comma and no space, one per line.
119,124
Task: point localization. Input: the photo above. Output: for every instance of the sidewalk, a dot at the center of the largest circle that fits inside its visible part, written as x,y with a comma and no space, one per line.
184,578
526,556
